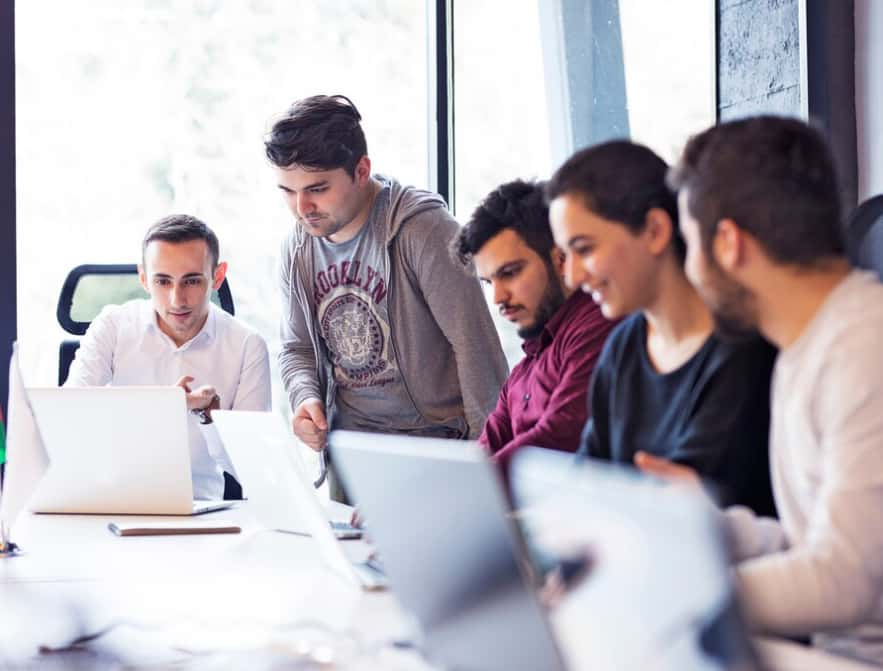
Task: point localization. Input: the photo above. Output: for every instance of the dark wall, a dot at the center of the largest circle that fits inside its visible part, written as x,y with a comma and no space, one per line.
7,192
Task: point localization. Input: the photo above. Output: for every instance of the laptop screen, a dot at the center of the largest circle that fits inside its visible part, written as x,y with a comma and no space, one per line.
655,590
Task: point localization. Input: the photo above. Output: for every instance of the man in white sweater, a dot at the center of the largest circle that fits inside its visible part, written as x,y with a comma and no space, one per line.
760,212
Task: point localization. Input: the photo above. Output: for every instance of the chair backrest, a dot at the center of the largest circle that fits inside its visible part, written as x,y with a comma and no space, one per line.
864,235
88,288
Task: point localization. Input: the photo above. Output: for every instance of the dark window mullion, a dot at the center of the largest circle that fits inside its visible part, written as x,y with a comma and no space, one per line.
7,194
441,150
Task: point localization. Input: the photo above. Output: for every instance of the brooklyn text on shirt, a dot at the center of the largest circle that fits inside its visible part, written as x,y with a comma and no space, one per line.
349,273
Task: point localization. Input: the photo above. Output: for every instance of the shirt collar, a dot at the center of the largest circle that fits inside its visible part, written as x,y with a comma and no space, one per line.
536,345
207,333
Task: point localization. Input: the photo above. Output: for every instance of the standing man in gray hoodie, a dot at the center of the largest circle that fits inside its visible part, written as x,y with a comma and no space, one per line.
381,330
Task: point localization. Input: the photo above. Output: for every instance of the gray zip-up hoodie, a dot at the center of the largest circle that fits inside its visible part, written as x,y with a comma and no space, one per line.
443,337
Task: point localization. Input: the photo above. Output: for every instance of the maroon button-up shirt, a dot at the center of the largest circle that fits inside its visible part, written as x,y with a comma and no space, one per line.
544,401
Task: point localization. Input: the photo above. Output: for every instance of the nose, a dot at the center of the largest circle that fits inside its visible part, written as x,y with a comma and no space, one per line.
304,204
501,293
177,295
575,274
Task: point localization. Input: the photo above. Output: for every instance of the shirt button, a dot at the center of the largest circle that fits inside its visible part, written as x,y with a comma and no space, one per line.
527,397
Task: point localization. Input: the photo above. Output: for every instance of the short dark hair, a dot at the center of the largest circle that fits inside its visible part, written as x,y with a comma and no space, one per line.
773,176
318,133
182,228
518,205
620,181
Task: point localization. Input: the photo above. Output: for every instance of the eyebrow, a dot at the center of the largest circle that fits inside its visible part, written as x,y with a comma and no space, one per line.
184,277
515,264
313,185
579,238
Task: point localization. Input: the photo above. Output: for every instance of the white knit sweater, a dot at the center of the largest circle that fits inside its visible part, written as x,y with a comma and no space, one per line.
820,570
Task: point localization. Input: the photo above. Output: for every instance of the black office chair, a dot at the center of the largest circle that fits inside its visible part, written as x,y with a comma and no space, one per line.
90,287
864,235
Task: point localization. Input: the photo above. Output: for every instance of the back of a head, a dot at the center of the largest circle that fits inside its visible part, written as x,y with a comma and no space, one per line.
318,133
518,205
774,177
620,181
176,228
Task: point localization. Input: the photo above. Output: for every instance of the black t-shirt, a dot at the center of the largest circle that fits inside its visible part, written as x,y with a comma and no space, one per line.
712,413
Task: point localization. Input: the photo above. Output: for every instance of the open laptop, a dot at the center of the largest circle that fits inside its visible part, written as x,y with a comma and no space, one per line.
438,515
653,592
274,480
119,450
656,590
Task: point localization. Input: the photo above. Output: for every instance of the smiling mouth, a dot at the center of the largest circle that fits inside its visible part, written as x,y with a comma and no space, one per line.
597,293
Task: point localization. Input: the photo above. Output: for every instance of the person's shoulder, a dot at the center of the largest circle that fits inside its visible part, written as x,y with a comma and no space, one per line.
585,315
293,242
746,359
632,327
847,328
124,315
857,303
625,339
412,209
231,327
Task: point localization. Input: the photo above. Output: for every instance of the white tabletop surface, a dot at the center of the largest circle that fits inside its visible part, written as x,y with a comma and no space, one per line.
211,601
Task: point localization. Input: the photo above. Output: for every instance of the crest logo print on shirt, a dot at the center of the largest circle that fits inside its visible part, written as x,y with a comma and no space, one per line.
355,337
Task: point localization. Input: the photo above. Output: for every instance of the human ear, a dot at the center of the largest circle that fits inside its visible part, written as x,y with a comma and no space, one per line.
220,274
728,245
658,229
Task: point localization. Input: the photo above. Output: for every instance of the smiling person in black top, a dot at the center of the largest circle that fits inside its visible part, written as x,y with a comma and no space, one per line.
665,384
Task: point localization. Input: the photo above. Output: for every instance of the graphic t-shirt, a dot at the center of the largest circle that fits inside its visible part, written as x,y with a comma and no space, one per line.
350,288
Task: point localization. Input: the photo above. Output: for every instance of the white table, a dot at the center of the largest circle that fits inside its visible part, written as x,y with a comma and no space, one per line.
173,598
211,601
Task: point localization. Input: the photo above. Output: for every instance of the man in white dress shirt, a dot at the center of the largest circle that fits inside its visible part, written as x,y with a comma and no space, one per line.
179,337
760,211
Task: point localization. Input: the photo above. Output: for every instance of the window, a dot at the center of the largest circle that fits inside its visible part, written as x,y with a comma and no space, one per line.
128,110
535,80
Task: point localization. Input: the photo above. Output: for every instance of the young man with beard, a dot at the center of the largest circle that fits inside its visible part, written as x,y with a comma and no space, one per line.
381,330
543,402
760,211
665,383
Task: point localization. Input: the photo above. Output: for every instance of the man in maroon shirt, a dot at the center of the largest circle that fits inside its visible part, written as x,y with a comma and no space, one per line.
543,402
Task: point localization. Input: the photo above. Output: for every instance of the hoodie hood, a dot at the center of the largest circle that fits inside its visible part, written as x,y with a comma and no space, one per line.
405,202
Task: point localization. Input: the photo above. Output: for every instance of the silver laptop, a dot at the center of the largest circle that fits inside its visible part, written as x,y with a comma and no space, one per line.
655,588
437,512
119,450
273,477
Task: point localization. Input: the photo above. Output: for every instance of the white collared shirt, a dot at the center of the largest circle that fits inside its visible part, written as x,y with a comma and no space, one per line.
124,346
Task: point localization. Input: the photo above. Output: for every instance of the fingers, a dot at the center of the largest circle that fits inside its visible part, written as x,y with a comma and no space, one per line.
309,435
184,382
663,468
356,520
204,394
314,410
309,424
